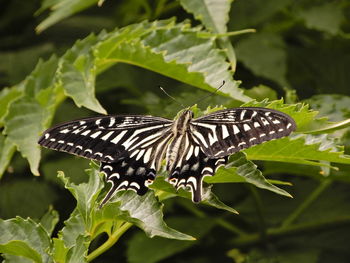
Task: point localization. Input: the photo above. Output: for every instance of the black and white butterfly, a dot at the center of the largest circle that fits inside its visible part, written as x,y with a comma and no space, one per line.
131,147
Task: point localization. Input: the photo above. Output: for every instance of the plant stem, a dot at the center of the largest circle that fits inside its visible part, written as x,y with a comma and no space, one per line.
112,239
304,205
259,208
230,227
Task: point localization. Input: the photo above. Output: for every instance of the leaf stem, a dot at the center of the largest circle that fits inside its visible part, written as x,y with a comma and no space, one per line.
238,32
231,55
304,205
227,34
112,239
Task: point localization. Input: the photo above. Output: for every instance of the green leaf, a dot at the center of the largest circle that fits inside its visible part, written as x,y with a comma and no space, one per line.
15,259
20,248
24,237
145,250
146,213
49,220
301,149
253,13
142,211
73,242
78,252
165,190
12,71
321,126
61,9
7,149
261,49
7,96
77,73
28,115
85,193
332,17
23,124
60,251
261,92
173,50
213,14
243,170
74,227
333,106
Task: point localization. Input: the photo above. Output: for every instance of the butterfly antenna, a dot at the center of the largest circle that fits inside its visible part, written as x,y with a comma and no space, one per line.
171,97
211,94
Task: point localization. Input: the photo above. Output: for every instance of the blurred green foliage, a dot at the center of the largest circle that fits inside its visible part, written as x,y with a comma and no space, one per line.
67,59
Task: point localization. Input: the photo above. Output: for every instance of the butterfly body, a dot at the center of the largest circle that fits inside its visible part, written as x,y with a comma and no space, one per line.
131,147
178,143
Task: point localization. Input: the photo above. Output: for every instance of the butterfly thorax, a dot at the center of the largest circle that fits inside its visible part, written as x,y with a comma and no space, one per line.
179,141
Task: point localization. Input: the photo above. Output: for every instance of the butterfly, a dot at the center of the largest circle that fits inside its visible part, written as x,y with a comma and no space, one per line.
131,148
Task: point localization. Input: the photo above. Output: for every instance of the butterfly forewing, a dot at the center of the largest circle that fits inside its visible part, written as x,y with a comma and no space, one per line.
228,131
107,138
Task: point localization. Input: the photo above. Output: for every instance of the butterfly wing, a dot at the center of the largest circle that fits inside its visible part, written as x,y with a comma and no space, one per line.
137,170
130,148
107,138
228,131
193,167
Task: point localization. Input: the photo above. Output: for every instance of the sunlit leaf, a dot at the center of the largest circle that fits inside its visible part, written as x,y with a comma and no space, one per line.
7,149
301,149
213,14
28,115
173,50
24,237
61,9
242,170
77,73
49,220
142,211
7,96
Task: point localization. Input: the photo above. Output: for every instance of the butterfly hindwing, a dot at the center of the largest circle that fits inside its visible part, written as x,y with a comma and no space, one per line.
193,167
127,174
137,170
228,131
